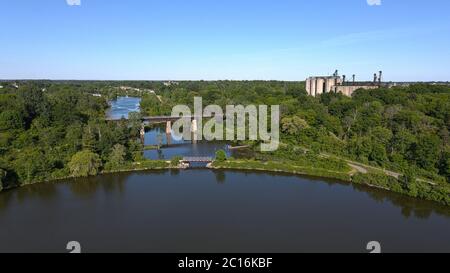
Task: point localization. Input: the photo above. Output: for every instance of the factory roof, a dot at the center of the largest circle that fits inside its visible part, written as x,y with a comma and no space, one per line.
363,83
325,77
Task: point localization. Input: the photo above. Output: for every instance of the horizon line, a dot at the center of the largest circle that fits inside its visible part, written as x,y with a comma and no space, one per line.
197,80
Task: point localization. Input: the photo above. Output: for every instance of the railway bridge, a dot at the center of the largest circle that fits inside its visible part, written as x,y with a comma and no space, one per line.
168,120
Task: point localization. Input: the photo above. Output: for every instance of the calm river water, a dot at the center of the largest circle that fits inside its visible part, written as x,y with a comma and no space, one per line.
201,210
216,211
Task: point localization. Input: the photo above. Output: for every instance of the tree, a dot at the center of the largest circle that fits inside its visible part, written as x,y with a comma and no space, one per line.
381,135
35,103
73,138
378,154
426,151
175,160
402,142
410,182
85,163
221,156
117,156
11,119
32,165
444,165
2,177
89,139
135,123
293,125
413,190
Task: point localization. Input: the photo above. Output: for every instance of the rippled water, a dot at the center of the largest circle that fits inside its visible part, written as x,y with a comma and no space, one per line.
122,106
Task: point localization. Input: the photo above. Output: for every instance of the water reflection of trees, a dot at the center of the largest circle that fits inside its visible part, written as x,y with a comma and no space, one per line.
409,206
220,176
88,187
116,183
80,187
43,191
174,172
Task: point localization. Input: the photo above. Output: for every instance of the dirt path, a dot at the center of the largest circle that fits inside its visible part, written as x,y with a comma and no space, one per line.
364,169
358,169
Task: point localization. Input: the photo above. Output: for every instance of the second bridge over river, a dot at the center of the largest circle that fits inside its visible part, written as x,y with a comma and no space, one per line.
169,119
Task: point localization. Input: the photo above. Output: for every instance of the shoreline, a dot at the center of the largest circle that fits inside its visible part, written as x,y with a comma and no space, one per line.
392,185
240,166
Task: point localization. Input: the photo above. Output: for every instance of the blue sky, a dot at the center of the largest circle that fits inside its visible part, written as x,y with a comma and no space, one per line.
233,39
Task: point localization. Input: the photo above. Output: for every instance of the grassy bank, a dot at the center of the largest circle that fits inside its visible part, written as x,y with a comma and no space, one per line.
439,192
287,167
141,166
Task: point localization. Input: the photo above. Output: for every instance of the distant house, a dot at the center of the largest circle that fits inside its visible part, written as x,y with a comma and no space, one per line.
127,88
1,86
97,95
170,83
149,91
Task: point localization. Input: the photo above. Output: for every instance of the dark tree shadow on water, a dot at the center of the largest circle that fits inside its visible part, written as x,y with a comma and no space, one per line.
174,172
409,206
220,176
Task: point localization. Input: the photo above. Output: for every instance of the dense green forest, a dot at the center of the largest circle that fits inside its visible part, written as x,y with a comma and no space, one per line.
51,129
402,128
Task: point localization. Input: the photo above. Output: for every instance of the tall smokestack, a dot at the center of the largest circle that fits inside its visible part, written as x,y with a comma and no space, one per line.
336,73
375,77
353,78
343,79
381,75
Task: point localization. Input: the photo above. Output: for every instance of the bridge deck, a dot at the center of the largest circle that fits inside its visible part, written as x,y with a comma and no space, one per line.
168,118
200,159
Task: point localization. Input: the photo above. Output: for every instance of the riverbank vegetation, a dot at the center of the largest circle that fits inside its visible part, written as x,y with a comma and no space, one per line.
402,129
276,166
53,131
48,128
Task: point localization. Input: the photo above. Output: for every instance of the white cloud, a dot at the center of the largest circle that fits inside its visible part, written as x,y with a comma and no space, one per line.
374,2
73,2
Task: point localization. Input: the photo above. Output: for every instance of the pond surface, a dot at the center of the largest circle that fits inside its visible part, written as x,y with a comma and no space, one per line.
216,211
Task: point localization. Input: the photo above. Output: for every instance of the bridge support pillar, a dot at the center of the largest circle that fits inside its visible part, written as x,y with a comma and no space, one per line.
194,130
142,134
194,126
168,127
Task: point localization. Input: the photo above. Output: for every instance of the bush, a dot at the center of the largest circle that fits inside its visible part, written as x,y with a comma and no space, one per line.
117,157
175,161
153,164
2,176
221,156
85,163
375,179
